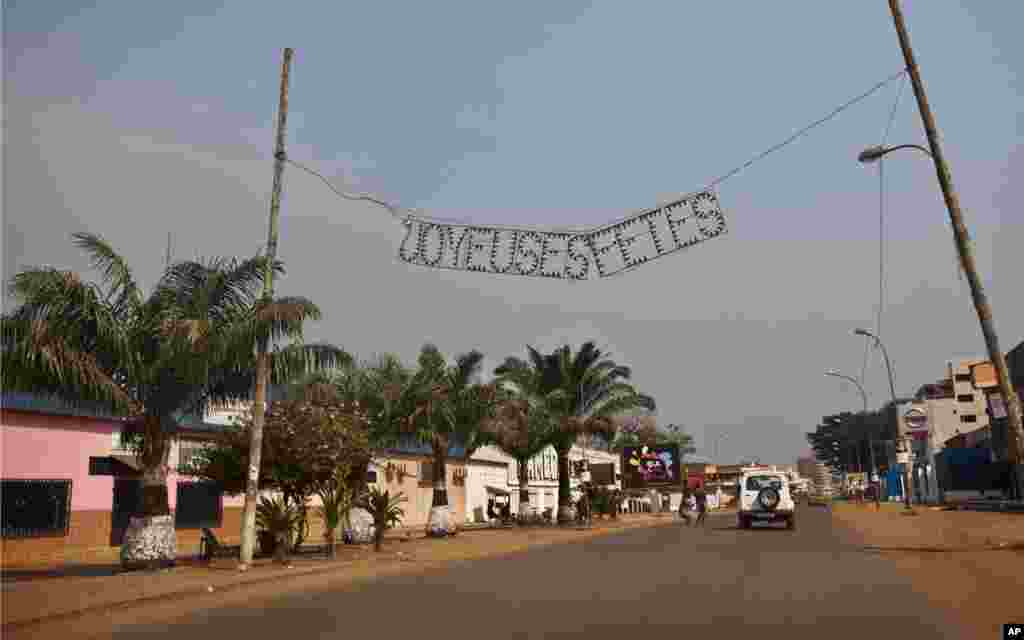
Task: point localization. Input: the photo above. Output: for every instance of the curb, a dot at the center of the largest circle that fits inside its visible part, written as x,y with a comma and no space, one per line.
163,597
1003,546
186,593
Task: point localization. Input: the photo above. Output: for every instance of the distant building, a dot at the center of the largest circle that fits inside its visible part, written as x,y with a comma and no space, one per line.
971,403
819,475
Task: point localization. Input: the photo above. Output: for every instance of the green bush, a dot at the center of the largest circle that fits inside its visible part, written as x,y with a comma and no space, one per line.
282,521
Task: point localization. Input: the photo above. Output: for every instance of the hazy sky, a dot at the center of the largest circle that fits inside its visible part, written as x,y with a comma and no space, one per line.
133,120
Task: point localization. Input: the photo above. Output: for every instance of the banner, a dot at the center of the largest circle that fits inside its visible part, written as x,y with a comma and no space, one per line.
645,467
606,250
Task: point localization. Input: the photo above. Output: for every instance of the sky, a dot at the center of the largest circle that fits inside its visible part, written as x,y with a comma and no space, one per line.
139,120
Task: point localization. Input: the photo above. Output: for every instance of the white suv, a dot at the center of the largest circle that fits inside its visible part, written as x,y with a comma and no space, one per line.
764,496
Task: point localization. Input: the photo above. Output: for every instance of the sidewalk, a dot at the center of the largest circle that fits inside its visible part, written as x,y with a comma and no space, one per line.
932,529
955,558
54,596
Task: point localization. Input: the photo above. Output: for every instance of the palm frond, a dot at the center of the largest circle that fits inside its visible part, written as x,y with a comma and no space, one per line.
285,317
37,361
291,362
123,293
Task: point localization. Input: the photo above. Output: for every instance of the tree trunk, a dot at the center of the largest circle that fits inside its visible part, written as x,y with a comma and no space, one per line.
440,523
281,548
332,551
303,528
440,478
565,510
154,457
525,511
150,541
378,537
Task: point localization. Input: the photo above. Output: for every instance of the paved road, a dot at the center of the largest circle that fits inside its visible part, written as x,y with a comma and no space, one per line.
811,583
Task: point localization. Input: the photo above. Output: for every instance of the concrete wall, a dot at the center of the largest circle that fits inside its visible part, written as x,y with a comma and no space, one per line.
420,493
481,476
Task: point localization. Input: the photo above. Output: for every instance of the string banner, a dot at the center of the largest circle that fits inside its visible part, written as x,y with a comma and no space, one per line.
604,251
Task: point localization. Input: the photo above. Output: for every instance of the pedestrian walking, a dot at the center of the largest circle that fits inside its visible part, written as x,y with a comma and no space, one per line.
684,506
702,506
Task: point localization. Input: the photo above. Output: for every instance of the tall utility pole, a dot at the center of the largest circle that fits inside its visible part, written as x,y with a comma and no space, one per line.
262,346
963,244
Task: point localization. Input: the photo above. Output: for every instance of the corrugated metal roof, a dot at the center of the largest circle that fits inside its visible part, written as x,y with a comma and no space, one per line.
52,405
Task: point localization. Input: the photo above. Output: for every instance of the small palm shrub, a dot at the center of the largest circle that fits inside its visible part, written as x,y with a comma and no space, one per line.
385,510
281,521
600,502
335,501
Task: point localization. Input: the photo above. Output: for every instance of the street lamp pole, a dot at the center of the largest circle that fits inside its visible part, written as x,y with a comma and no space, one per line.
864,414
981,304
901,432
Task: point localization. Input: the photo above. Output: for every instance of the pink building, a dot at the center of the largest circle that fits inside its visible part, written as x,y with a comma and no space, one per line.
69,486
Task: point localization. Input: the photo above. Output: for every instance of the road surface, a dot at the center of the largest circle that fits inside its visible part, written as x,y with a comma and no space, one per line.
810,583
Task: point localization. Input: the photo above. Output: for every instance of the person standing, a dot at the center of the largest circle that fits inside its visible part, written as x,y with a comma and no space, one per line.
702,505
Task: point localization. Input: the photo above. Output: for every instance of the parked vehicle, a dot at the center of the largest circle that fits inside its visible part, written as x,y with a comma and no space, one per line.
765,497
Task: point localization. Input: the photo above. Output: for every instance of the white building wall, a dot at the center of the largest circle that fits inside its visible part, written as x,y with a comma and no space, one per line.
479,477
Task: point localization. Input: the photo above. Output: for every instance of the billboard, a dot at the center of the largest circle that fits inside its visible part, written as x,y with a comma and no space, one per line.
647,466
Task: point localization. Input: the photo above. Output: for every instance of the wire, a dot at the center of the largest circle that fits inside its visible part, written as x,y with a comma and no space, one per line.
801,132
881,229
393,209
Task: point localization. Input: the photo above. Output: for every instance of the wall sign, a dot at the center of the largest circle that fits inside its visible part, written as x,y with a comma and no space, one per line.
603,251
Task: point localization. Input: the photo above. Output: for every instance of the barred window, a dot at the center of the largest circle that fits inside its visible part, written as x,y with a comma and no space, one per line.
33,508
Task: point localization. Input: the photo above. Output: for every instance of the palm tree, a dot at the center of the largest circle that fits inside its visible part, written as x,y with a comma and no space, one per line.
446,407
153,360
521,428
582,392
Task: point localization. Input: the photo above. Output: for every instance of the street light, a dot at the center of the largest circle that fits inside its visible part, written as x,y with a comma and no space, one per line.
873,154
718,440
901,435
864,396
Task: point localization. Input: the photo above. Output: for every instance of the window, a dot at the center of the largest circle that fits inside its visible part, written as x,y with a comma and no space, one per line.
756,483
969,418
199,505
33,508
965,397
962,377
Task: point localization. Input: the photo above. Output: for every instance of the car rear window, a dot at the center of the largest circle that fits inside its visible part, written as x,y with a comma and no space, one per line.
756,483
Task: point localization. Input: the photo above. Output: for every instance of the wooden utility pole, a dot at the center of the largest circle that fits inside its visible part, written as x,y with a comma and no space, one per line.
262,356
1015,434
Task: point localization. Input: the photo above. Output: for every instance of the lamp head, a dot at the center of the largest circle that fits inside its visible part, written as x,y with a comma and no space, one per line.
871,154
862,332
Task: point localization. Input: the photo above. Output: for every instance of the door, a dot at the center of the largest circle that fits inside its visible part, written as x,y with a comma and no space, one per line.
126,501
